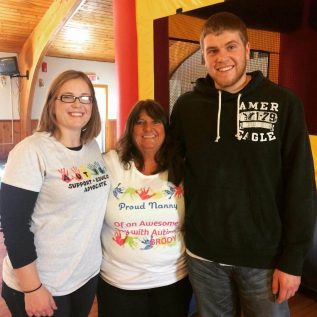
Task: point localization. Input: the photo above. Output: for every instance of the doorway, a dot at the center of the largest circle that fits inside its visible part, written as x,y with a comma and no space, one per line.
101,92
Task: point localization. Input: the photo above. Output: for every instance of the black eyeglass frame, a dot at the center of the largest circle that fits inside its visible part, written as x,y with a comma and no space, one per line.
80,99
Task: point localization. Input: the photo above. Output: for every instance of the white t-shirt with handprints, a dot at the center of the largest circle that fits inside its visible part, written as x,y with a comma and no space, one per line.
73,188
142,236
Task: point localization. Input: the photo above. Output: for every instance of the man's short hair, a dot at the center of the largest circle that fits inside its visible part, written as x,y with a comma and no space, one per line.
223,21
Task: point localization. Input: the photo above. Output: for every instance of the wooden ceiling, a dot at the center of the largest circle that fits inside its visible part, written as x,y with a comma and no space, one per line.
17,21
94,19
87,35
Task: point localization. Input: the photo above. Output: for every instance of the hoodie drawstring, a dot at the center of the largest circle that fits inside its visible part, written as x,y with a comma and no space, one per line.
218,118
238,119
219,115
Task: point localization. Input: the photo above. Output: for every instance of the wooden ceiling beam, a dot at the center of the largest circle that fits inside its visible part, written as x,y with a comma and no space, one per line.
34,50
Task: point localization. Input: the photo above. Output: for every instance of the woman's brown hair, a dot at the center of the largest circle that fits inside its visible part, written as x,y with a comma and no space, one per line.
166,157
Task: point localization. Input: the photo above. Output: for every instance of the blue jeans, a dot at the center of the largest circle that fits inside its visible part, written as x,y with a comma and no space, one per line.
229,290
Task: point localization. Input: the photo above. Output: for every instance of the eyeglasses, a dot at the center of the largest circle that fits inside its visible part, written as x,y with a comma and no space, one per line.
71,99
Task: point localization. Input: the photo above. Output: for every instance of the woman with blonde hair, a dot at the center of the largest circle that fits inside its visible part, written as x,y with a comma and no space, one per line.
53,197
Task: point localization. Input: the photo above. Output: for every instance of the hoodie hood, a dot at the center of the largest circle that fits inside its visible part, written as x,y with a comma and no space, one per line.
207,87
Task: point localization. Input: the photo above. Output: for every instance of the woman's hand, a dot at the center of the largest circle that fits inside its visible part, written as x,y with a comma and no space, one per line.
38,300
39,303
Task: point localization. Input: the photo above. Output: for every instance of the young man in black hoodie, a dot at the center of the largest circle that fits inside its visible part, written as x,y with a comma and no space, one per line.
249,181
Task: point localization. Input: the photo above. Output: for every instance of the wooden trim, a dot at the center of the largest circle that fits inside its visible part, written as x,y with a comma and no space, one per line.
33,51
7,140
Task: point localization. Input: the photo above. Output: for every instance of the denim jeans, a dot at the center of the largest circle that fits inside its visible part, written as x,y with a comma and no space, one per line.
229,290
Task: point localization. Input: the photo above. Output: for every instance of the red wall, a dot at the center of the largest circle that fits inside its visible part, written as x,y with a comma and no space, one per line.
298,65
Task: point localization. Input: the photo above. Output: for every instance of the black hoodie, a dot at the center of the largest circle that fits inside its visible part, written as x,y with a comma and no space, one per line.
249,177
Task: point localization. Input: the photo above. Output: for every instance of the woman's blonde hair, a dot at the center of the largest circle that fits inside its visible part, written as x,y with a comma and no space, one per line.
48,121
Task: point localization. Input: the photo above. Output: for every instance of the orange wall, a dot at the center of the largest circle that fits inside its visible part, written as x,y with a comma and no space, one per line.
313,142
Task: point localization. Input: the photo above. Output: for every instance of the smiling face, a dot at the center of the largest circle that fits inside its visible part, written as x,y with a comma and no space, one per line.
225,59
72,117
148,134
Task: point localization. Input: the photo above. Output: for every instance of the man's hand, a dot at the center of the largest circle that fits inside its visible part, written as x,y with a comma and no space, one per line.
285,285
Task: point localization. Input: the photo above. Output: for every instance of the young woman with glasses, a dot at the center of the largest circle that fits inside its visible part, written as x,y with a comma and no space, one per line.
53,200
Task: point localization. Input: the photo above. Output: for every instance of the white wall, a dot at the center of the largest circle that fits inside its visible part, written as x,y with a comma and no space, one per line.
105,73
